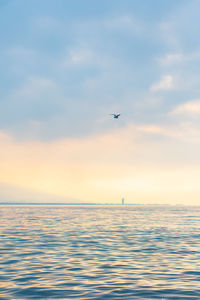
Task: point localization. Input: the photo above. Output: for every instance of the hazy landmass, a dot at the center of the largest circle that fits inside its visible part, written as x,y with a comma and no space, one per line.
11,194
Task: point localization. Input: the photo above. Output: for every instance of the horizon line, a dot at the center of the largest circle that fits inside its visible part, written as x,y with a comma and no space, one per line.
94,204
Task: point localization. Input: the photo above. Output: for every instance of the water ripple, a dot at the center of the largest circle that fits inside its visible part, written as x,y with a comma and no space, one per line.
99,252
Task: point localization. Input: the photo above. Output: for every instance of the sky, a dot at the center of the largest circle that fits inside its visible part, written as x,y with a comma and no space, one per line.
65,67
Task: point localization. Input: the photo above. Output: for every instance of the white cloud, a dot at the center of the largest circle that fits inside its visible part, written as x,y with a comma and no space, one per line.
36,86
85,56
80,56
169,35
124,22
171,58
190,107
183,132
166,83
150,129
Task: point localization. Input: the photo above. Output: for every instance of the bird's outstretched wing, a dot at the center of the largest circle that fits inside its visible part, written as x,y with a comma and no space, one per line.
115,116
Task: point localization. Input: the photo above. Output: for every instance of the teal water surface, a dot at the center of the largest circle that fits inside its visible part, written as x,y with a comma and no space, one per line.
99,252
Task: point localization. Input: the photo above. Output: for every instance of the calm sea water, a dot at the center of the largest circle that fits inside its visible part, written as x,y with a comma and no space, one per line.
99,252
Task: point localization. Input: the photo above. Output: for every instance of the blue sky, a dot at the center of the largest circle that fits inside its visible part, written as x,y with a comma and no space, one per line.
66,65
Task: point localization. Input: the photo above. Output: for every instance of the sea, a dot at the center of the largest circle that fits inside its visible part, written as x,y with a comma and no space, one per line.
99,252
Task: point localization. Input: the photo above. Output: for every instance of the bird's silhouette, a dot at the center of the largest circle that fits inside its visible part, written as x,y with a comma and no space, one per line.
115,116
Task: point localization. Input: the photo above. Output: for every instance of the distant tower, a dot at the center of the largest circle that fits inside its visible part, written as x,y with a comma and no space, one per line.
122,201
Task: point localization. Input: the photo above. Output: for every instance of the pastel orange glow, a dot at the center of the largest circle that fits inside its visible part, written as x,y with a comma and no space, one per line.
100,169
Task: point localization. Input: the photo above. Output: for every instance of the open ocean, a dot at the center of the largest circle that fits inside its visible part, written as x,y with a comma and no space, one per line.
99,252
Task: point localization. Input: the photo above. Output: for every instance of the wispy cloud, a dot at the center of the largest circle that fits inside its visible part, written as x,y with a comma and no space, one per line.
36,86
81,56
86,56
125,22
171,59
188,108
182,132
166,83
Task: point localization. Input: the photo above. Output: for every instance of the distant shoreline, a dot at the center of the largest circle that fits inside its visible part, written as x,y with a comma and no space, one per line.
91,204
75,204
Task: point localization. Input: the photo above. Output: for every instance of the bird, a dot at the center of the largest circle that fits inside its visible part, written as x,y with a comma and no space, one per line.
115,116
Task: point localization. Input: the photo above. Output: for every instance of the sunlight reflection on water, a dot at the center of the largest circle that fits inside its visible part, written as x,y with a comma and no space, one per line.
99,252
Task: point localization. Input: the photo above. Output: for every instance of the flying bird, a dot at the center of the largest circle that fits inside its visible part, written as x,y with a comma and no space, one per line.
115,116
